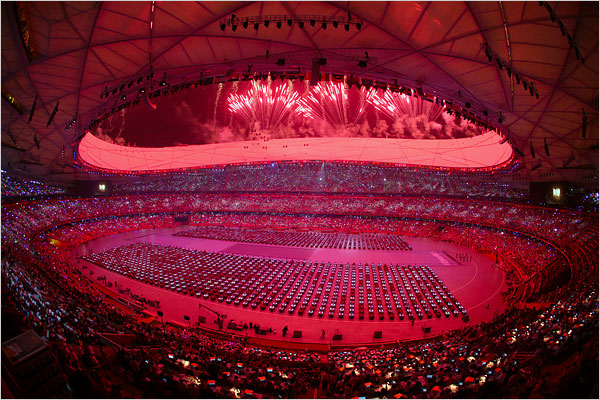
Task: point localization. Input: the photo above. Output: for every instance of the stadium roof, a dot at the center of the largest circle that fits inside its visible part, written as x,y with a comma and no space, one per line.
67,54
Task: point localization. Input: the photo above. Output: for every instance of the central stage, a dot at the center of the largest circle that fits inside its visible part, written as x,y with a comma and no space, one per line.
476,284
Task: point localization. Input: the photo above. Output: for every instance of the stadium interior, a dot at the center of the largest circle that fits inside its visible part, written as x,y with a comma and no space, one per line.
299,199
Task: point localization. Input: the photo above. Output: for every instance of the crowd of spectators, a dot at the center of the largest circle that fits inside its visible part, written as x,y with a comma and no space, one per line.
525,255
366,241
511,356
15,187
556,226
501,358
333,178
407,215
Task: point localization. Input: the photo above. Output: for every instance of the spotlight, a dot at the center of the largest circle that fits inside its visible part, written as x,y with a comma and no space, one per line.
278,24
233,27
347,27
499,63
162,83
324,25
467,105
537,95
312,22
362,64
223,27
358,26
508,71
322,61
524,84
518,79
256,25
280,62
267,23
301,24
245,25
289,22
335,24
142,90
123,97
485,113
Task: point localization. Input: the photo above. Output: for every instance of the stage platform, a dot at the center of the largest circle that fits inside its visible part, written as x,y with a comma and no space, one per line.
477,284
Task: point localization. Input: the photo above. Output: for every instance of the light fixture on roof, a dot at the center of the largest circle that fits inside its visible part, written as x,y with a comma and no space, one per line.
163,81
223,27
233,27
358,26
488,52
324,25
52,115
256,24
289,22
347,27
278,24
245,24
301,24
266,23
33,107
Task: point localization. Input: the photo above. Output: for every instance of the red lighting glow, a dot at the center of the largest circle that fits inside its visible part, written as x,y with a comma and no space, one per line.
482,151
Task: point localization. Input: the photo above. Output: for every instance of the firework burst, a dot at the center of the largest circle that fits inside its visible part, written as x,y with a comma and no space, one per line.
328,103
397,106
270,106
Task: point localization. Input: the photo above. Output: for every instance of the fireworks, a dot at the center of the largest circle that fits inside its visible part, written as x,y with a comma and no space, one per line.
328,103
397,106
265,105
